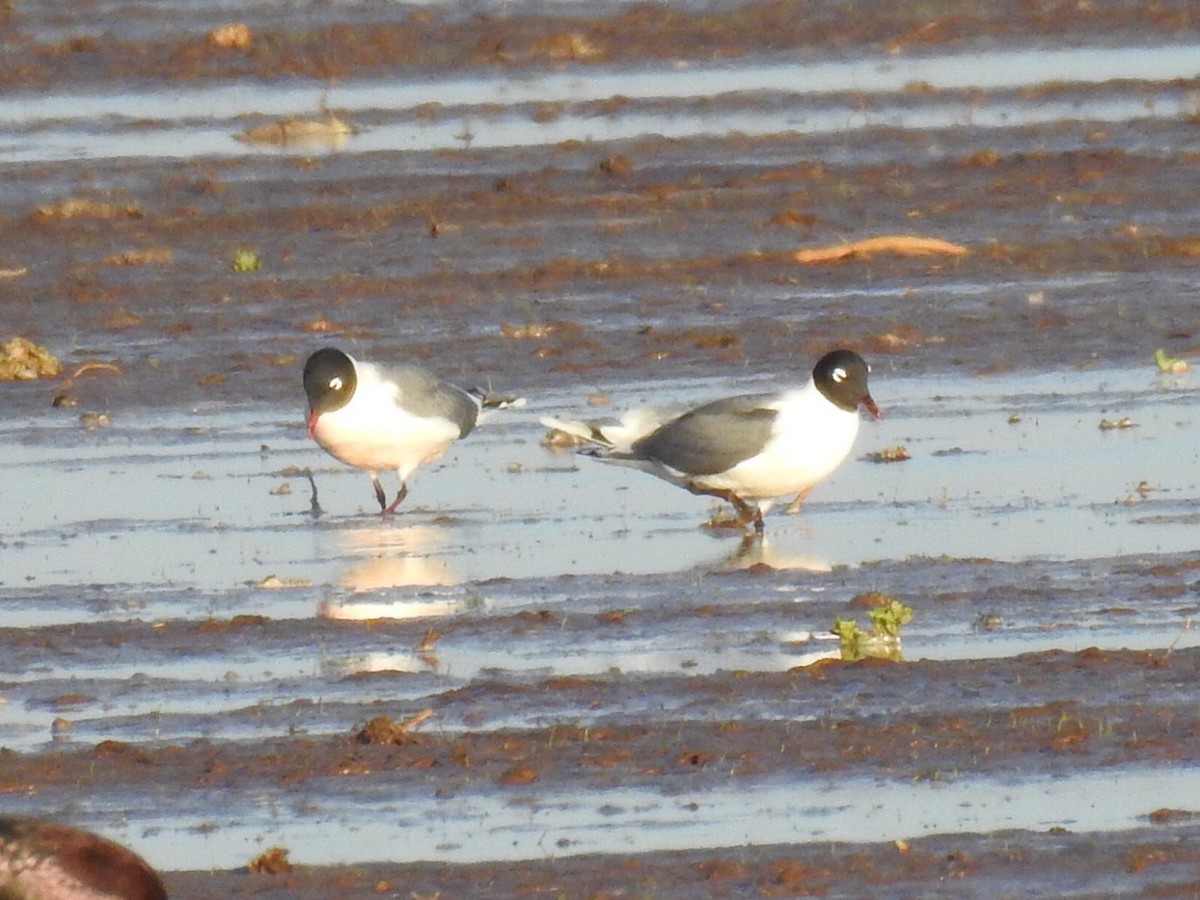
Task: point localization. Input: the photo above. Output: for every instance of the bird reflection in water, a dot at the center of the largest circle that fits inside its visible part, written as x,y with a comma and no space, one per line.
755,551
384,558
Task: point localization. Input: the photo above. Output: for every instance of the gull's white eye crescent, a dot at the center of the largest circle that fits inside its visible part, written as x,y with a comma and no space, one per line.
838,375
335,383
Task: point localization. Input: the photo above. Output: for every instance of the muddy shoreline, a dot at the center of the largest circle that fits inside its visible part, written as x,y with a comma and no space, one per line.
192,662
955,866
46,50
728,310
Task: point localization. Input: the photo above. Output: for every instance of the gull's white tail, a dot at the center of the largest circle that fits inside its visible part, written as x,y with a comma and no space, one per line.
615,436
488,400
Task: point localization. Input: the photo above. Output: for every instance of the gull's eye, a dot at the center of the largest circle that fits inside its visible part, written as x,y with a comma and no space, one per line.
838,375
335,383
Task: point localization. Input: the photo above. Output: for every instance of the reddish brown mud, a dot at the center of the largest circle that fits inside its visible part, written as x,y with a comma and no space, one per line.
570,266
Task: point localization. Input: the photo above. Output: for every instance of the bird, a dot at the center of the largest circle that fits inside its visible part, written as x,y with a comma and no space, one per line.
376,418
748,450
41,860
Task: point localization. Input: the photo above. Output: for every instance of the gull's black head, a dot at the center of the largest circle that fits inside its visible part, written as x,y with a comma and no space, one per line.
329,382
841,376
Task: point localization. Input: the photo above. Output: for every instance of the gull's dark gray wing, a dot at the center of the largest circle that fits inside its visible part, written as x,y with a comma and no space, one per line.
711,438
424,394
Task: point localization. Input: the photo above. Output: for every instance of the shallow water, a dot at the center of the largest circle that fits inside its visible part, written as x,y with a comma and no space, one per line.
1001,467
1019,526
751,98
515,825
179,517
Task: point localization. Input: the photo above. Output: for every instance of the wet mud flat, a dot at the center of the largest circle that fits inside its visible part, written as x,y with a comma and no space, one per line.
544,676
1059,770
